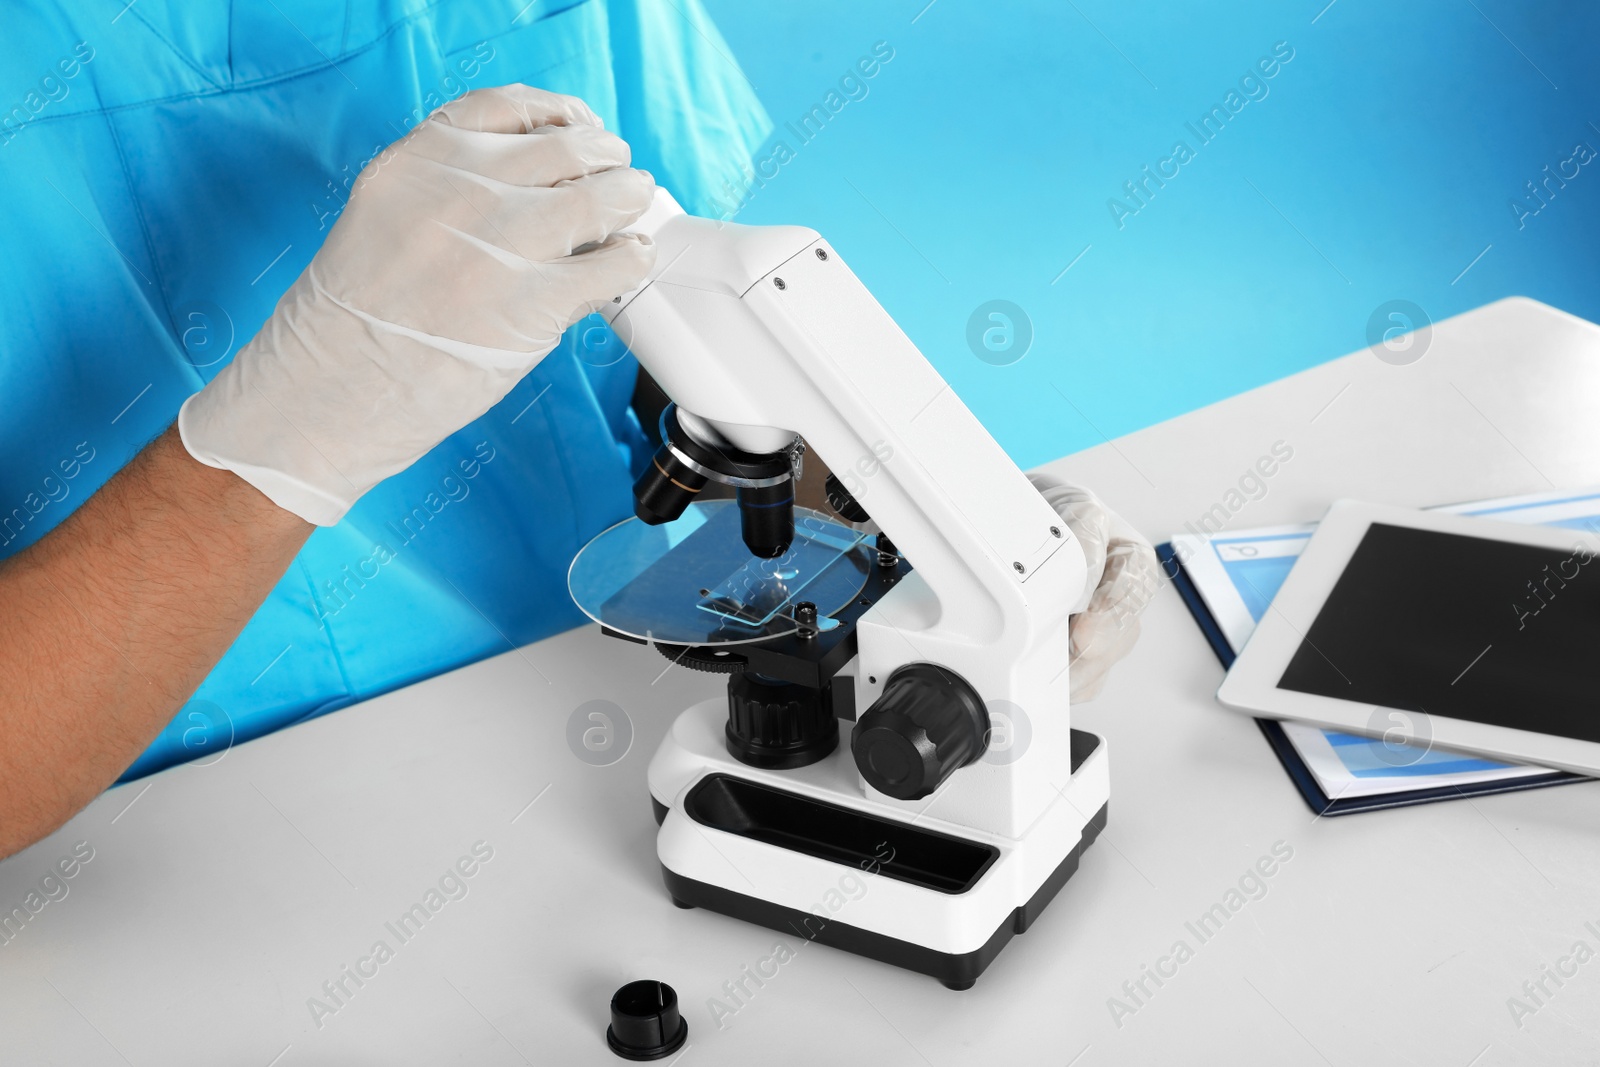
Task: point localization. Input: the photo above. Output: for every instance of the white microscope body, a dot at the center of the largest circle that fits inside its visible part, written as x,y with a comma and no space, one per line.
764,333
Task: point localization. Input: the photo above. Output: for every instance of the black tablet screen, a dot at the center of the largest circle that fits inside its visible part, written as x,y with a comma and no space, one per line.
1461,627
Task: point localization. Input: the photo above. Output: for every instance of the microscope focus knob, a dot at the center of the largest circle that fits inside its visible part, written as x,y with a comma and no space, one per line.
927,724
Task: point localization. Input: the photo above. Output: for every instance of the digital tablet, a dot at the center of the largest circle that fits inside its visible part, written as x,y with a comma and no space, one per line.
1428,629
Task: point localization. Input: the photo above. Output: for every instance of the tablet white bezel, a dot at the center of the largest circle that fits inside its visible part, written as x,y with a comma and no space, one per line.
1252,683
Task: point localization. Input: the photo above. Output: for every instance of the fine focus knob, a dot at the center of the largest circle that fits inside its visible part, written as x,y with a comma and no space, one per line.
927,724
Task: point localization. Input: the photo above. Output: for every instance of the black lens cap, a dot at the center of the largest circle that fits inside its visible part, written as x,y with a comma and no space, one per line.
645,1021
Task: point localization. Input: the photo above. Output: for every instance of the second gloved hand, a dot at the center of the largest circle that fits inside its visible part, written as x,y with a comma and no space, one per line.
1123,574
467,248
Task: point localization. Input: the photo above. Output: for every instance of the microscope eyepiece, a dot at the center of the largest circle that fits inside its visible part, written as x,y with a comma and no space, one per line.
764,484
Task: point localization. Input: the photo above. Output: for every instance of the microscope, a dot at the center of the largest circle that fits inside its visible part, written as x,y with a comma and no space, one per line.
847,789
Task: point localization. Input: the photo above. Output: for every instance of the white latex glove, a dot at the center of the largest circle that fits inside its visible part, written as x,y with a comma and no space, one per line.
466,249
1123,576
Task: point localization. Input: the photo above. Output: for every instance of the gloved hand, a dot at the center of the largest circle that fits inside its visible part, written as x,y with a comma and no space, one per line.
466,249
1123,576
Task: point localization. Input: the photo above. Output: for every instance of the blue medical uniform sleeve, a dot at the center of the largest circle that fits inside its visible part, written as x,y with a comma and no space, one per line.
169,173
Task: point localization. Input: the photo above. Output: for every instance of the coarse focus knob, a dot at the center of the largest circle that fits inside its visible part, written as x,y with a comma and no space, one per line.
927,724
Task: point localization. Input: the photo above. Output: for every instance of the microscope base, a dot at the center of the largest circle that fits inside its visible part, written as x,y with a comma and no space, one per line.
954,970
806,853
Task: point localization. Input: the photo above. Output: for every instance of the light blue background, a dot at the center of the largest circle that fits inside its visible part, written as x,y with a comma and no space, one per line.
980,163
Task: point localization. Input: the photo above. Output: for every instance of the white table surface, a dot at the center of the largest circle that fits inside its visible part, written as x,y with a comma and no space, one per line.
221,897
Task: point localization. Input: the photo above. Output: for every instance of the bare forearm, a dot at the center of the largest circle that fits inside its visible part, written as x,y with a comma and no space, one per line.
114,618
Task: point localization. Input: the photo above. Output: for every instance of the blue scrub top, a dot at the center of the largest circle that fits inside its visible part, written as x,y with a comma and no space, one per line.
169,167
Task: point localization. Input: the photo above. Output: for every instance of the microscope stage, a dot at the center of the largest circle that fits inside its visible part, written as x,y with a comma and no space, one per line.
693,582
